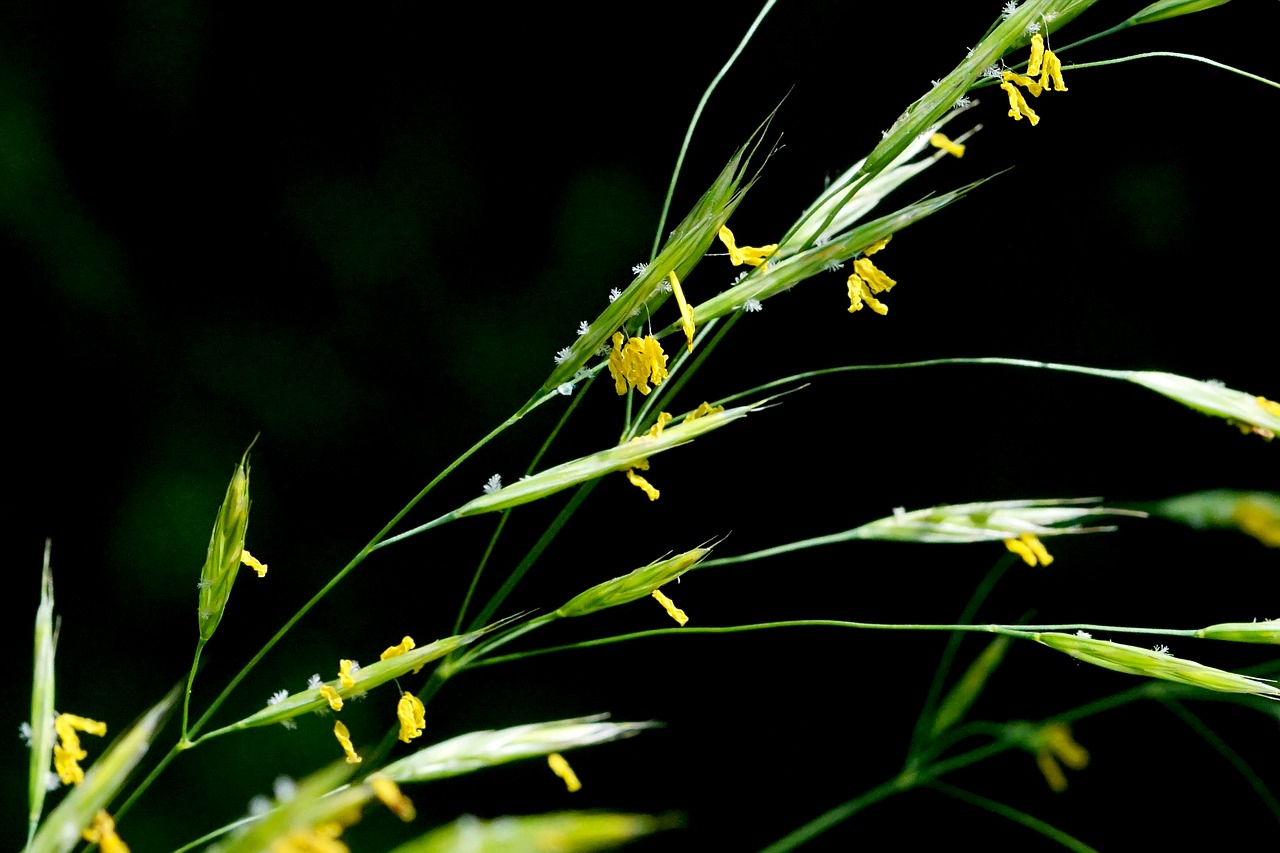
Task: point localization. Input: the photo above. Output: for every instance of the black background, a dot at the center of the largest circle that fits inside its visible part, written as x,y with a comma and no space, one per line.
362,233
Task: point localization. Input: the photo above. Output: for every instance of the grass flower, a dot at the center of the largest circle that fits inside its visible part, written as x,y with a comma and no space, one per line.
477,750
670,606
1255,514
411,713
344,738
1137,660
1250,413
226,551
632,586
561,768
990,521
749,255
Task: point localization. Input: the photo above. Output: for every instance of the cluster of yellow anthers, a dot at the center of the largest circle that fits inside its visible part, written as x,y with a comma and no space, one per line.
636,362
654,431
1042,62
561,768
323,838
102,832
867,280
1030,549
750,255
67,753
1056,744
670,606
409,710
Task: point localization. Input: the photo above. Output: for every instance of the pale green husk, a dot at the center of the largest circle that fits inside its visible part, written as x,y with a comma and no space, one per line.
1267,631
42,694
1136,660
477,750
562,832
633,585
1164,9
992,520
226,543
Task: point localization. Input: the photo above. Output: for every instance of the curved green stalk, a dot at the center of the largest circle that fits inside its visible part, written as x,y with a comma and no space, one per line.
1020,631
1224,749
693,122
1016,815
1173,55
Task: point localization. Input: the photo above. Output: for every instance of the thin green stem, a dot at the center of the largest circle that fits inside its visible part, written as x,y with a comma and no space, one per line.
1016,815
933,362
518,573
898,784
151,777
1123,25
1172,55
1020,631
1224,749
376,542
924,721
693,123
191,678
502,522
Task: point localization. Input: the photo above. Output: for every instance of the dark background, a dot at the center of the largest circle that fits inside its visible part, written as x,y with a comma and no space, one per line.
363,233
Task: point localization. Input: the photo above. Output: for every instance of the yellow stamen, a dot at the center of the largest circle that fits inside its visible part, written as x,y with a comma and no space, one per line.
102,832
389,794
344,673
1267,405
1056,744
253,563
412,715
67,754
702,411
860,293
1025,82
1030,549
1052,73
642,484
1037,54
1018,105
344,738
877,246
686,310
561,768
395,651
335,700
670,606
940,140
750,255
872,275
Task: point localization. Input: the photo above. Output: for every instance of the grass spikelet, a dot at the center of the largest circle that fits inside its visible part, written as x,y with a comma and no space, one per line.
1267,631
477,750
42,694
1136,660
313,808
992,520
561,832
226,546
363,680
632,586
1250,413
